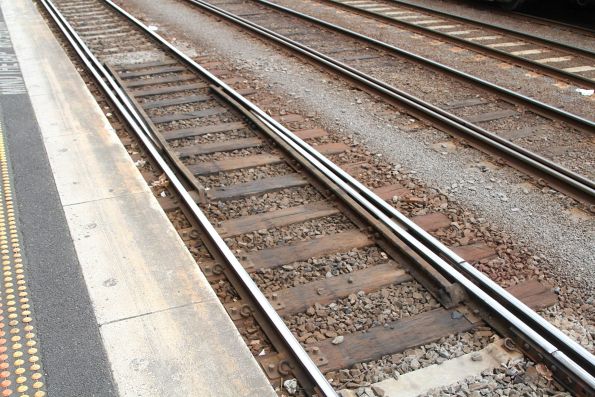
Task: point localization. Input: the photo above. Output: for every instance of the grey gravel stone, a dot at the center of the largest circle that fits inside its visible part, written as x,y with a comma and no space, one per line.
291,386
476,357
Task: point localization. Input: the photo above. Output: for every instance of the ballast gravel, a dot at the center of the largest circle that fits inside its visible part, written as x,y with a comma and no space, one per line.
360,312
276,237
298,273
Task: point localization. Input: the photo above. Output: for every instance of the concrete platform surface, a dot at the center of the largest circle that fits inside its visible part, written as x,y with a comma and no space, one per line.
119,304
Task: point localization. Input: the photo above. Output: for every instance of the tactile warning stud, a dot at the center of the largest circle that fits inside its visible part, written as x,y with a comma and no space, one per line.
20,365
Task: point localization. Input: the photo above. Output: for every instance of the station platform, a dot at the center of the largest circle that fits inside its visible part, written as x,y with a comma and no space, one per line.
99,295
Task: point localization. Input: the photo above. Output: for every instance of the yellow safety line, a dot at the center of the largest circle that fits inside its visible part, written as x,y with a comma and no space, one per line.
20,366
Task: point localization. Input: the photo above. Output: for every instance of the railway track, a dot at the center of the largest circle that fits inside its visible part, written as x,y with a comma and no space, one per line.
292,239
376,66
559,60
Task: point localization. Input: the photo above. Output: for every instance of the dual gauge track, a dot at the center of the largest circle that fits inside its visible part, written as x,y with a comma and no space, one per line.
229,164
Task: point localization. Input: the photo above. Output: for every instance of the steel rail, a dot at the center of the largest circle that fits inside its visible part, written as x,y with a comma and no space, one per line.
113,91
558,176
560,348
558,351
545,109
520,35
499,54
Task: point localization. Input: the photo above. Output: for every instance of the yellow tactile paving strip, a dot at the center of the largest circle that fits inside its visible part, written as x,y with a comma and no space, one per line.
20,366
